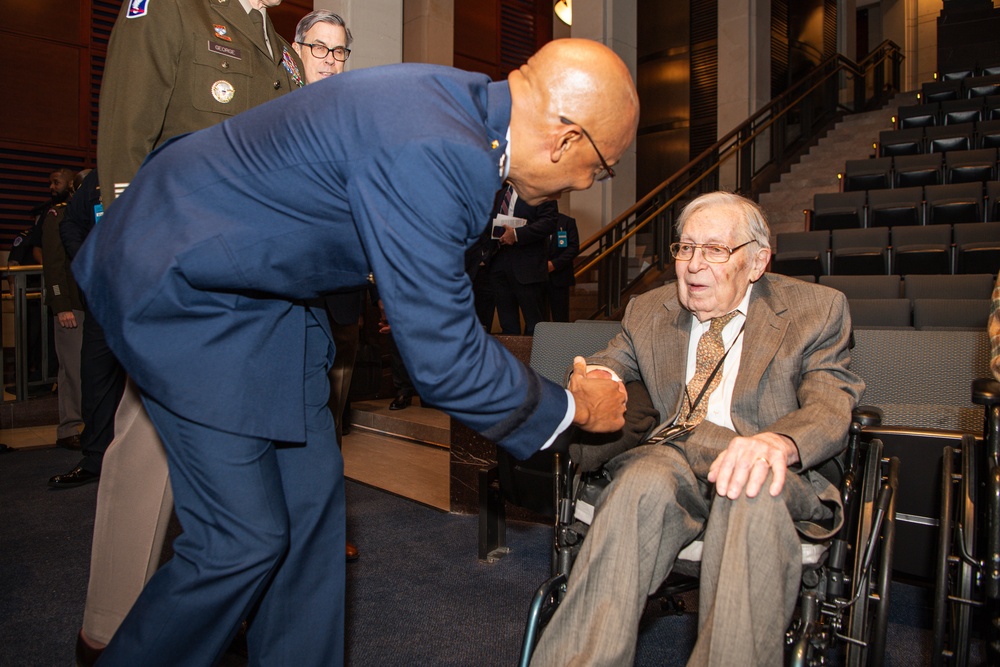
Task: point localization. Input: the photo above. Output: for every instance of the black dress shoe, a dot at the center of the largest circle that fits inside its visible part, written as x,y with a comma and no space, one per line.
86,652
400,402
71,442
75,477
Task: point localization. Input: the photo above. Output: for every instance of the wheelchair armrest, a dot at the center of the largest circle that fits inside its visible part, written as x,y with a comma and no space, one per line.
985,391
867,415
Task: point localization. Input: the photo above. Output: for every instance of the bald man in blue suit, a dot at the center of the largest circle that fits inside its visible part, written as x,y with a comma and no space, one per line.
200,273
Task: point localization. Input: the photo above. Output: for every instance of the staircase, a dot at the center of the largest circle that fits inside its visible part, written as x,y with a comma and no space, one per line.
405,452
851,139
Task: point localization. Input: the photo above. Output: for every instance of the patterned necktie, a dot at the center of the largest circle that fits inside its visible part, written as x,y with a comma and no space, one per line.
710,352
505,206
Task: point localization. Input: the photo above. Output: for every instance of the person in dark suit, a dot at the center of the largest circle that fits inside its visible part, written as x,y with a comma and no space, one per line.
564,246
765,405
517,269
200,275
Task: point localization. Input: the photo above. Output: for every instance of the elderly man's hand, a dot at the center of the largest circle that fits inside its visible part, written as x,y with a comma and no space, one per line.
600,401
746,461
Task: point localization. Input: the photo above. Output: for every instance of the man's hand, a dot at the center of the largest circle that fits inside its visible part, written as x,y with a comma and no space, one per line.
67,320
600,401
509,236
746,461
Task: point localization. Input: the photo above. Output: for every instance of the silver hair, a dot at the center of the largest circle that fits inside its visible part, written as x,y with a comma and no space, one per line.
321,16
752,218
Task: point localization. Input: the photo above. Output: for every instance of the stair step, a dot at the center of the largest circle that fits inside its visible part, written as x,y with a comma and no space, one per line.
422,425
376,460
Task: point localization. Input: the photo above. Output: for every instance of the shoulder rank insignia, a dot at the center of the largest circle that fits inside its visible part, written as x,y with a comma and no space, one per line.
291,67
137,8
221,32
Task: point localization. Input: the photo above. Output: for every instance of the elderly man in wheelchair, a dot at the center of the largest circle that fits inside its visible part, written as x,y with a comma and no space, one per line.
751,371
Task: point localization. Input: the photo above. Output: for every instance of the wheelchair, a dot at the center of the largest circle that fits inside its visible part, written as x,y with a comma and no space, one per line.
967,582
844,597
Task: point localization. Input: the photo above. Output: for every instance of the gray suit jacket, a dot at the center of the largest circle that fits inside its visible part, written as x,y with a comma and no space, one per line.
794,376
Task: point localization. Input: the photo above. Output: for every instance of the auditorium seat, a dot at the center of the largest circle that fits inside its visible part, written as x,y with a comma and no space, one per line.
859,251
973,166
944,138
954,203
981,86
954,112
866,287
893,208
801,253
917,115
923,249
977,248
871,174
901,142
951,313
915,170
974,286
838,210
939,91
880,313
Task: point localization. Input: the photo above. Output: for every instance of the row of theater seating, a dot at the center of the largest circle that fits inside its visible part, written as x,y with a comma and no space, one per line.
949,112
958,88
939,138
905,171
968,248
949,204
916,301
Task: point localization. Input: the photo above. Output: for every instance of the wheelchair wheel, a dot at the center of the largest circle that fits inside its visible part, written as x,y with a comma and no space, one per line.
859,621
876,651
944,550
965,542
957,565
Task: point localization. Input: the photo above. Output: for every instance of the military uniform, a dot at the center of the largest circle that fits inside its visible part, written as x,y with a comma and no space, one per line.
176,66
61,295
173,67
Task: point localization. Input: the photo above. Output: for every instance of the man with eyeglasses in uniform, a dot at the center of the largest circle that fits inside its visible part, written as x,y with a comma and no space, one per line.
749,425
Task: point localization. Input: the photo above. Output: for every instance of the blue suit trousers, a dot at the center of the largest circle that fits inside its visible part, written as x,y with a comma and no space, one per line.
263,541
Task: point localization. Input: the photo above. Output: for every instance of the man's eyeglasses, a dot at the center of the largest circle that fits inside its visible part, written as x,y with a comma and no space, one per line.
606,172
712,252
340,53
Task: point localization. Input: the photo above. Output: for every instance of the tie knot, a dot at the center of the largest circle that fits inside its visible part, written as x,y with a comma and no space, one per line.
719,323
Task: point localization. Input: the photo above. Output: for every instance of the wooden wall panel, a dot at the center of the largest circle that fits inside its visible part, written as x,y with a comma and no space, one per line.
497,36
53,53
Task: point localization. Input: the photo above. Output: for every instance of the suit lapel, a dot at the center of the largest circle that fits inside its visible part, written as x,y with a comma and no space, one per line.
670,355
232,14
764,333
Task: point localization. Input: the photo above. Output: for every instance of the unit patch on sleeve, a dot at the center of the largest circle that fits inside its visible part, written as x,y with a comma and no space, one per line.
137,8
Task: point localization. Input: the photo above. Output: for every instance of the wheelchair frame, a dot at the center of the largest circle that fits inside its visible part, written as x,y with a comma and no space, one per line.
968,559
845,599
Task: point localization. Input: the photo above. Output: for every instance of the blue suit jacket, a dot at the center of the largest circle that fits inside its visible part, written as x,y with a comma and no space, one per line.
198,270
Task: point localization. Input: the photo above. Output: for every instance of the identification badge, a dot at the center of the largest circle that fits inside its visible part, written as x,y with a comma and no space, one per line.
670,433
562,239
98,212
223,50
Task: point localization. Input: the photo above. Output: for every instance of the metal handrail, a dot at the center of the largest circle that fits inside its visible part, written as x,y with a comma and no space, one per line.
814,101
20,293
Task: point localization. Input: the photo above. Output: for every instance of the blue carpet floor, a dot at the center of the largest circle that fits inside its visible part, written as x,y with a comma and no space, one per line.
417,596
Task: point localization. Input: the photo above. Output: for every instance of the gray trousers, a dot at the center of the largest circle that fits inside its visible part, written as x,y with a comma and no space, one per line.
67,344
134,502
750,570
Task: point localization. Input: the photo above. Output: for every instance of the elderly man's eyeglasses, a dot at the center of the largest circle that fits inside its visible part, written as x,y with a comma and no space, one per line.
606,171
340,53
712,252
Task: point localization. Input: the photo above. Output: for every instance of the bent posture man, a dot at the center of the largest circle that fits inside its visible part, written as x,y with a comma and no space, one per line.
198,274
758,364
